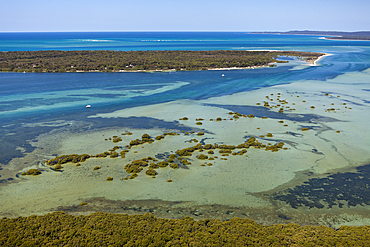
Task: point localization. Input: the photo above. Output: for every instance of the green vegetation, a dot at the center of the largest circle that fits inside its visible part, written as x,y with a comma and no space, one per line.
144,139
151,172
174,166
162,164
58,167
136,166
202,157
113,154
117,139
75,158
160,137
109,61
33,172
104,229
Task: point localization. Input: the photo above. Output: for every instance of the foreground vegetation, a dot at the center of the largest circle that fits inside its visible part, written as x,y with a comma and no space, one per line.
105,229
109,61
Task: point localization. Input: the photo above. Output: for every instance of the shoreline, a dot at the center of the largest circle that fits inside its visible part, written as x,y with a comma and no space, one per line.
346,39
326,36
314,63
148,71
168,70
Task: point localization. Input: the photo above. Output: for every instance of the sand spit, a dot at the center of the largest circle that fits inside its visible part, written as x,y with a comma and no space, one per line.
314,63
334,112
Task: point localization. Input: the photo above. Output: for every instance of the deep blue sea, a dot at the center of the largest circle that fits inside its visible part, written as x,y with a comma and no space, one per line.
30,97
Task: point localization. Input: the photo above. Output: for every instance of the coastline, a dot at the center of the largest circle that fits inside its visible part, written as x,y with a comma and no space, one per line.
344,36
346,39
167,70
151,71
314,63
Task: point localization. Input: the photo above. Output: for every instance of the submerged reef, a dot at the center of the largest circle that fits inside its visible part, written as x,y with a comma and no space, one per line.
340,189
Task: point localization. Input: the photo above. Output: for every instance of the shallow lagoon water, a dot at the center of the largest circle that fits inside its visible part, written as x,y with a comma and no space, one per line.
44,115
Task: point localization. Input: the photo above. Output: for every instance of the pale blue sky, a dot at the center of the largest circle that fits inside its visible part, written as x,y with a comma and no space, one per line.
190,15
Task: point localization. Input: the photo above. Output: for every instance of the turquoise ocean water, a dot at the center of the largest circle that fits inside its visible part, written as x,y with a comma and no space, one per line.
27,98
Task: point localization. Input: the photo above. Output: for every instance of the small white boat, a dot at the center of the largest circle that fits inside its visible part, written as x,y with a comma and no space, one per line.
88,106
223,75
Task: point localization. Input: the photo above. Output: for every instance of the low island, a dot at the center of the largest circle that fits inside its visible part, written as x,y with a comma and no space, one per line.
332,35
120,61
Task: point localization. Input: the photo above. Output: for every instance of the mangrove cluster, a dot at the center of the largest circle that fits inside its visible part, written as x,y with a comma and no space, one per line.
150,164
109,61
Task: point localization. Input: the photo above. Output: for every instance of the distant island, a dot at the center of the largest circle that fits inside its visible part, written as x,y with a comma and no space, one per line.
121,61
362,35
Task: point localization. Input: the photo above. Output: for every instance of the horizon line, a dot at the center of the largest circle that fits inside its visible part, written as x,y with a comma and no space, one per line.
106,31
